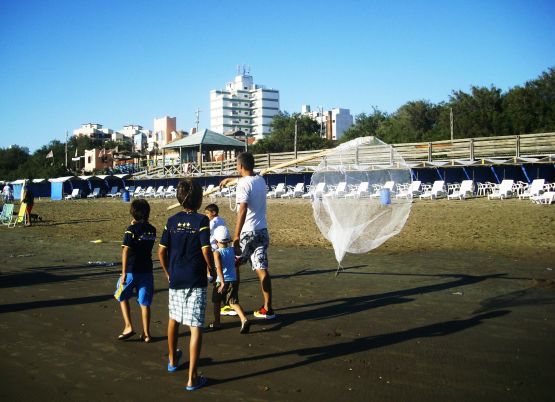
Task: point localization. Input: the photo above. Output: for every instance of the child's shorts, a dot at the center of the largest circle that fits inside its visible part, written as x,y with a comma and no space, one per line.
254,246
144,285
188,306
230,295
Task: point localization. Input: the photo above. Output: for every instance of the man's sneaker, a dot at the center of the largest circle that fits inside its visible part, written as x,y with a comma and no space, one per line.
226,310
263,313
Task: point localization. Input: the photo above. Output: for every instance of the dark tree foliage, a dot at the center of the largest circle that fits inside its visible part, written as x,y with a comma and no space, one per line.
282,138
482,112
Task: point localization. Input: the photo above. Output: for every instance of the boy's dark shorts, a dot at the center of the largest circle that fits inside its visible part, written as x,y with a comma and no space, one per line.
230,295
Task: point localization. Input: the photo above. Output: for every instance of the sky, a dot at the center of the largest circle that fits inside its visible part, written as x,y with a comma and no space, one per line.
65,63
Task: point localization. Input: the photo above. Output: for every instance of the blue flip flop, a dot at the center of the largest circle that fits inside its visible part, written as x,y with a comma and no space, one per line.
171,368
202,381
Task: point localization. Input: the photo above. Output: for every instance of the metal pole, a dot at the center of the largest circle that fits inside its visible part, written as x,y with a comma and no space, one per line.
295,143
451,121
66,149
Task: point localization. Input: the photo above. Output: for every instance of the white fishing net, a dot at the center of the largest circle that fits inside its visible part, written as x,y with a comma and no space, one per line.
354,195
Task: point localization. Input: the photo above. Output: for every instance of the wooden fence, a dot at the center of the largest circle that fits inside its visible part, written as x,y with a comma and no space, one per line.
515,149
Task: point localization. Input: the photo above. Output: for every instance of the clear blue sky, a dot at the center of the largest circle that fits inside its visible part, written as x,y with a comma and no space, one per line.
64,63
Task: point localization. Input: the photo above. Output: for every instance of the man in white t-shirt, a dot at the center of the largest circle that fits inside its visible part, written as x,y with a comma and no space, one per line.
251,229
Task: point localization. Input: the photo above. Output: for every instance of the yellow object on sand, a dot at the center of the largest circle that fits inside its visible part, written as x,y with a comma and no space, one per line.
97,241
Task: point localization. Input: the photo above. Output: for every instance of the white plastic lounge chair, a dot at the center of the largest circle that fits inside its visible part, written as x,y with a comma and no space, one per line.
277,191
317,191
546,198
535,189
339,191
505,190
149,192
7,213
294,192
412,191
95,193
437,190
170,192
466,190
158,193
137,192
76,193
377,189
359,191
113,192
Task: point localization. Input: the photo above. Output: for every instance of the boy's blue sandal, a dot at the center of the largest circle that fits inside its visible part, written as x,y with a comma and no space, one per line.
171,368
202,381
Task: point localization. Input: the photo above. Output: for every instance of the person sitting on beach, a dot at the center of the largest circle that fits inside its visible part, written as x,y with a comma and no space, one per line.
212,212
251,229
136,272
226,287
7,193
185,255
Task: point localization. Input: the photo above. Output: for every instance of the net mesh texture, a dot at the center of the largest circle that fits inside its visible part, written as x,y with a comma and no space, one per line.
354,195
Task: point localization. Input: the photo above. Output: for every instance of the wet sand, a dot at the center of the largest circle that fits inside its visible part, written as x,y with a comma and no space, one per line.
458,307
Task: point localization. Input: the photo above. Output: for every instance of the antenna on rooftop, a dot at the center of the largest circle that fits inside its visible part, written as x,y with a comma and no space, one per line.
238,69
197,114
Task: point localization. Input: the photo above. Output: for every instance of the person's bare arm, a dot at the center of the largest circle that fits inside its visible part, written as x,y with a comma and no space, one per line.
163,256
220,272
228,181
241,216
124,256
208,257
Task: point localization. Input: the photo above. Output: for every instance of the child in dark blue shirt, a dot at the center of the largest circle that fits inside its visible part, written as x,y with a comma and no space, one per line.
185,255
136,273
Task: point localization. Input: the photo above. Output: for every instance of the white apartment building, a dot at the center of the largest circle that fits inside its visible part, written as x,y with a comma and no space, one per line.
93,131
244,106
334,122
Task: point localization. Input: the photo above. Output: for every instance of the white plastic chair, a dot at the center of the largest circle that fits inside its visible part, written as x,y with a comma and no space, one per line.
535,189
465,190
377,188
505,190
317,191
74,194
294,192
277,191
339,191
412,191
360,191
437,190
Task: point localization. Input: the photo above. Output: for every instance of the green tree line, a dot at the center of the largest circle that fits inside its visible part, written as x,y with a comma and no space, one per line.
481,112
17,163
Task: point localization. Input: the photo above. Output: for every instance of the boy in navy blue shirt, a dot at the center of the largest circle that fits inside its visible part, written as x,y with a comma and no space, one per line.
185,256
136,272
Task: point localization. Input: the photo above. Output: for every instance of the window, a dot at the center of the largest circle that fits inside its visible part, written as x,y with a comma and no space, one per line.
246,121
245,87
246,96
235,104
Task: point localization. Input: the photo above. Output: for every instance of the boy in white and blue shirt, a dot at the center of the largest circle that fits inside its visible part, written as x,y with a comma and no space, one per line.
226,289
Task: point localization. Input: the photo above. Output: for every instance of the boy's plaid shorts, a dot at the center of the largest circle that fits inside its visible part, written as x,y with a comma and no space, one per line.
188,306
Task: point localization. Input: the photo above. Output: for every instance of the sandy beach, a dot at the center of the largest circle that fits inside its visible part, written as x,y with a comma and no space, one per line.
459,306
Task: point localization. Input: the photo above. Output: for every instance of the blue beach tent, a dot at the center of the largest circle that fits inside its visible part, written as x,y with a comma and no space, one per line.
61,186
